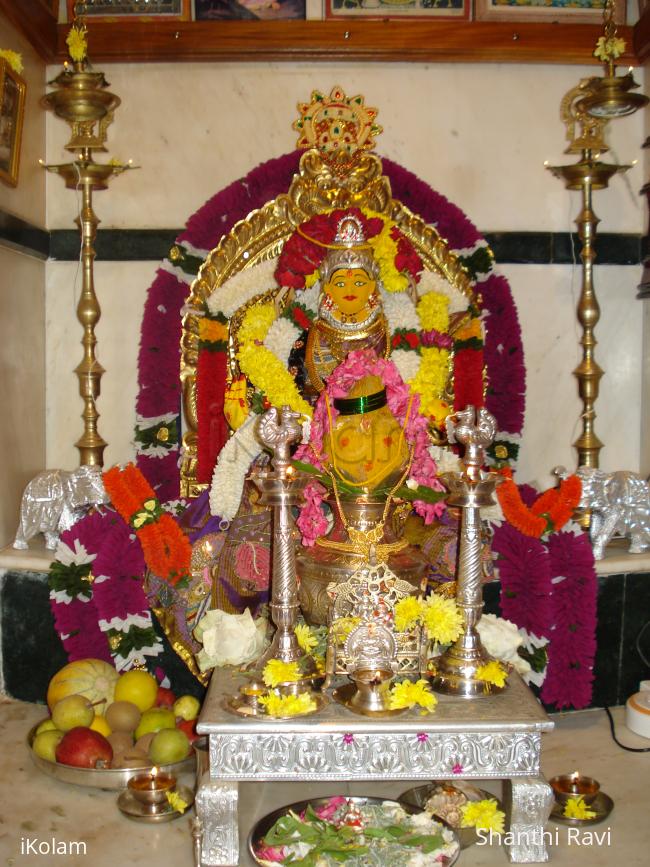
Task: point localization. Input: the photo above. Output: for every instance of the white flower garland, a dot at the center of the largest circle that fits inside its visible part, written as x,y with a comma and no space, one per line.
406,362
399,311
230,471
431,281
240,288
280,338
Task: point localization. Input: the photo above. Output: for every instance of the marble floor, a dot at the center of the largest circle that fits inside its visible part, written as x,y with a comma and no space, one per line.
36,809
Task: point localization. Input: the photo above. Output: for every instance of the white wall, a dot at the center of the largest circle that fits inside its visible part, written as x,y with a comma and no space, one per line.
479,134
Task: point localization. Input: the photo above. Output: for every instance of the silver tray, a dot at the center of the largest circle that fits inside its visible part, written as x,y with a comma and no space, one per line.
101,778
264,825
416,798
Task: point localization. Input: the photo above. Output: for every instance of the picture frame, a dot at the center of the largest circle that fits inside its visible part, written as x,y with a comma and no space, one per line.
250,10
565,11
12,112
398,9
143,10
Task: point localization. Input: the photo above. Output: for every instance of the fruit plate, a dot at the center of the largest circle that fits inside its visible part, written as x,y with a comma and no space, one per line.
378,856
102,778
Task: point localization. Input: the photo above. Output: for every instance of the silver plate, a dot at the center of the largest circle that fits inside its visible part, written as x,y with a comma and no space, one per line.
101,778
139,812
417,798
264,825
602,805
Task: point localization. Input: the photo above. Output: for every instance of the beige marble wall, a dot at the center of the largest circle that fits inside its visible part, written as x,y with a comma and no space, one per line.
22,381
22,307
479,134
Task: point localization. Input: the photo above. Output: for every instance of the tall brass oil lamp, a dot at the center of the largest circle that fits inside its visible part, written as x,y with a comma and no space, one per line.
81,99
586,109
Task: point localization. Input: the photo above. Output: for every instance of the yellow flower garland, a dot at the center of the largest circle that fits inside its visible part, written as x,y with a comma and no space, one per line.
430,381
263,369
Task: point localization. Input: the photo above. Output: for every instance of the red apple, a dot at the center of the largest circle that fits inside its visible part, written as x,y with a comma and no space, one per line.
189,727
165,697
83,747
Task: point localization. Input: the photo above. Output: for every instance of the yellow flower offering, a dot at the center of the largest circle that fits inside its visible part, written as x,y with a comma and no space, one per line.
176,802
408,694
609,49
275,671
492,672
344,626
14,59
287,705
408,613
484,815
443,619
306,639
77,43
575,808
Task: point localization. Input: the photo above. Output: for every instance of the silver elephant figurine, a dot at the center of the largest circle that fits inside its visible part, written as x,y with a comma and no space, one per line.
55,500
619,503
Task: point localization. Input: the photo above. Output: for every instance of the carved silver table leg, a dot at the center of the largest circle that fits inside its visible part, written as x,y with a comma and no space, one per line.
216,808
528,802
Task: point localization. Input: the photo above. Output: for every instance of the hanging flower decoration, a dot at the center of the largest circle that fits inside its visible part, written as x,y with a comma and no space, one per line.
167,550
77,42
609,48
548,514
13,58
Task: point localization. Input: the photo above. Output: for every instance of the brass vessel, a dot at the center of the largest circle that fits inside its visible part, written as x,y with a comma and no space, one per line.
320,566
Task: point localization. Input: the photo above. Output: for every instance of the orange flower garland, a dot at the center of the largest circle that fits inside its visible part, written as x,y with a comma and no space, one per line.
549,512
166,549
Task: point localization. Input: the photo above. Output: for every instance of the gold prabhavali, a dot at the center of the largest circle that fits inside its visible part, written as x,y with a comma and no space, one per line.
261,236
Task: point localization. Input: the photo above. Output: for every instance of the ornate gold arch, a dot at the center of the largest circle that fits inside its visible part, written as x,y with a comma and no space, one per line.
259,237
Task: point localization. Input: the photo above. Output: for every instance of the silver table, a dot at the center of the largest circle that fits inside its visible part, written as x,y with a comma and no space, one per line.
496,737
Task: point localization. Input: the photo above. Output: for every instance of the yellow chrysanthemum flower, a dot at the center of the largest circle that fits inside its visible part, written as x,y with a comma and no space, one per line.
492,672
408,613
287,705
306,639
443,619
433,312
408,694
344,626
176,802
484,815
14,59
77,43
575,808
275,671
609,49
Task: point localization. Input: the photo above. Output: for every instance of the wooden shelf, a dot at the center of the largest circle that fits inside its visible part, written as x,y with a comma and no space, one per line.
450,41
422,41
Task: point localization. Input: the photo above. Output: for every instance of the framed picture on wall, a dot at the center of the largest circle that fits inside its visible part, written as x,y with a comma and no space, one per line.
12,110
567,11
397,8
252,10
107,10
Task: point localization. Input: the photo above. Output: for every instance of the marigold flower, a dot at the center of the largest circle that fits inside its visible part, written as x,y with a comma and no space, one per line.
443,619
77,43
275,672
575,808
287,705
408,694
306,639
492,672
408,613
484,815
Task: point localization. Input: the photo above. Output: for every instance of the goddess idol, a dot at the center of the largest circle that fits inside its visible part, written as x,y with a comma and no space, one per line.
337,288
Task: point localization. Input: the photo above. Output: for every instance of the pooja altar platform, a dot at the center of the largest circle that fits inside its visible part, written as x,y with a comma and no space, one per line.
496,737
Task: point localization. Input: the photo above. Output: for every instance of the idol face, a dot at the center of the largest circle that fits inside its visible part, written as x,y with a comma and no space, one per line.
350,290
